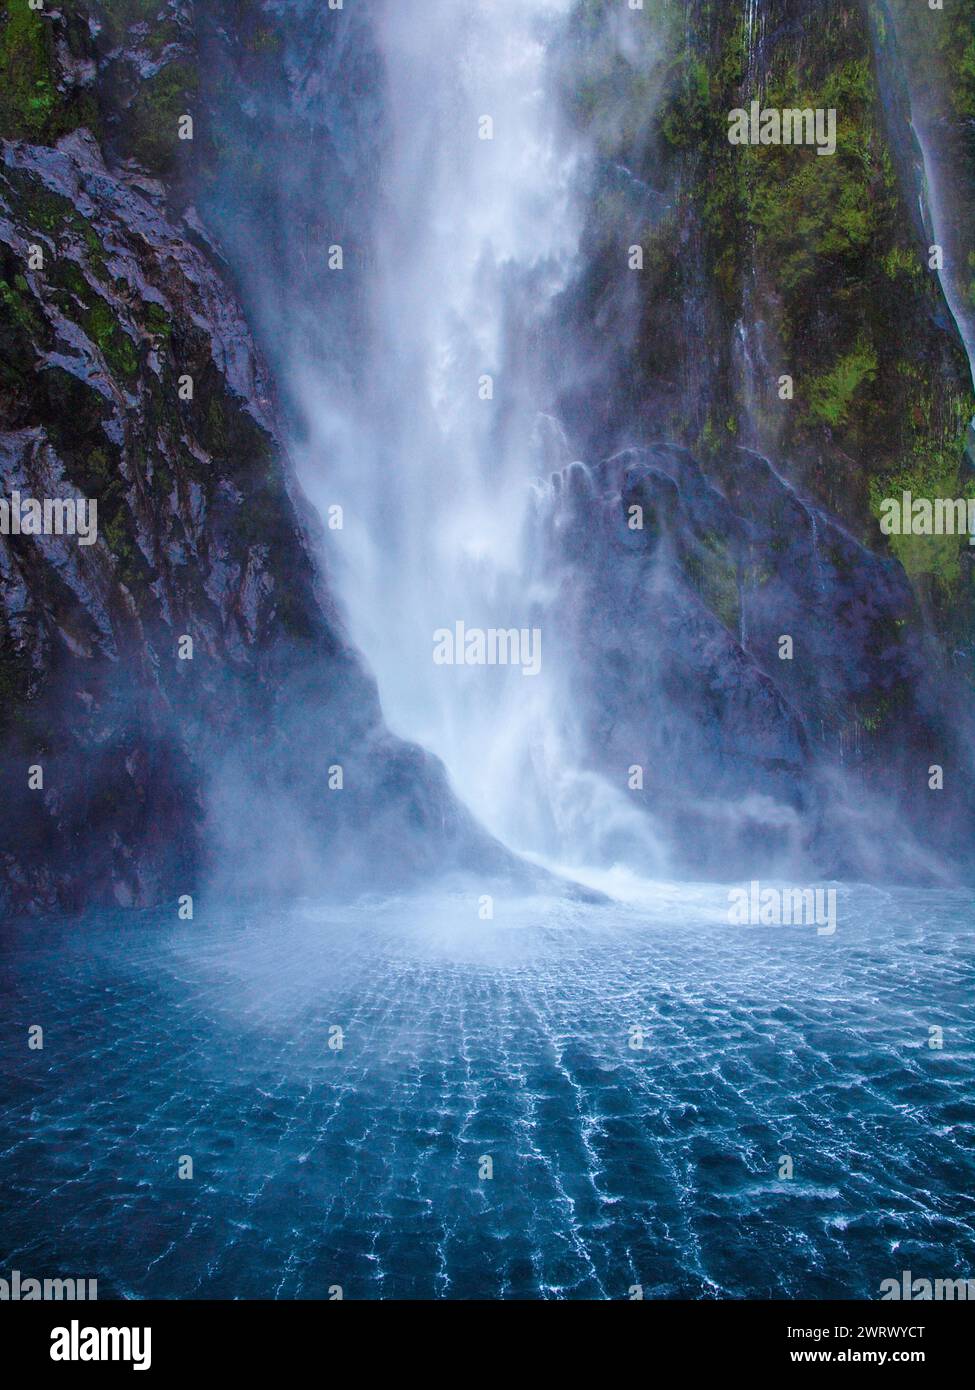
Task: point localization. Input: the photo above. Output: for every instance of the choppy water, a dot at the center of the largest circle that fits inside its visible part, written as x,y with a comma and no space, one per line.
463,1038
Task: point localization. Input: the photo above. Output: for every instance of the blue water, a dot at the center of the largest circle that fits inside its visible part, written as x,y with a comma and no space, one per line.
510,1039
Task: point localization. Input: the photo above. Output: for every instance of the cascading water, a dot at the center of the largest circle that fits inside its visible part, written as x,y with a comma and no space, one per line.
674,1092
443,377
433,454
944,234
941,205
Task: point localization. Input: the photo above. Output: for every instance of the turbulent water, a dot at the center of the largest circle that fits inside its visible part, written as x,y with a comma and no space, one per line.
509,1039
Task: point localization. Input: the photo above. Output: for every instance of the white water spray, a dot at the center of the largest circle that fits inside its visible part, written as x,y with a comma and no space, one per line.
433,457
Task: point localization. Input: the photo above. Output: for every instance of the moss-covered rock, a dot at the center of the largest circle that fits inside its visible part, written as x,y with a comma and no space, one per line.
38,99
773,261
128,376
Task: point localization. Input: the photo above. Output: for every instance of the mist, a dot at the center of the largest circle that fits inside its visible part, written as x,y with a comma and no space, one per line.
419,244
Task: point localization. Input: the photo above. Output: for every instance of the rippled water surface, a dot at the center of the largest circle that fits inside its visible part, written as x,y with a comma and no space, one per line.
359,1167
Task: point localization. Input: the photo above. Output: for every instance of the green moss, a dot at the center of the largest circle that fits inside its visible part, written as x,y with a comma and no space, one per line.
40,210
157,320
102,326
715,577
831,396
102,469
23,331
18,303
688,118
938,475
902,261
150,130
28,97
807,208
33,104
716,435
81,302
940,49
215,436
822,251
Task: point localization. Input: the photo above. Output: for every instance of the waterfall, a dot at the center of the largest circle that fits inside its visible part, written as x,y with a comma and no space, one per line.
432,232
435,439
941,206
945,235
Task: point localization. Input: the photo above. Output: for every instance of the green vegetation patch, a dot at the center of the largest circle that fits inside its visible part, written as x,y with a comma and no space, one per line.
831,396
28,96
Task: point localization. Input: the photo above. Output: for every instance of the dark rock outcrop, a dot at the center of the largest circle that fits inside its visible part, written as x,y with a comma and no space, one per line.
129,376
675,594
769,261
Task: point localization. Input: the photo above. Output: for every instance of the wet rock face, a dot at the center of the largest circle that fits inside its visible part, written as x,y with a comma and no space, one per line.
159,770
183,684
759,266
92,284
769,262
767,673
